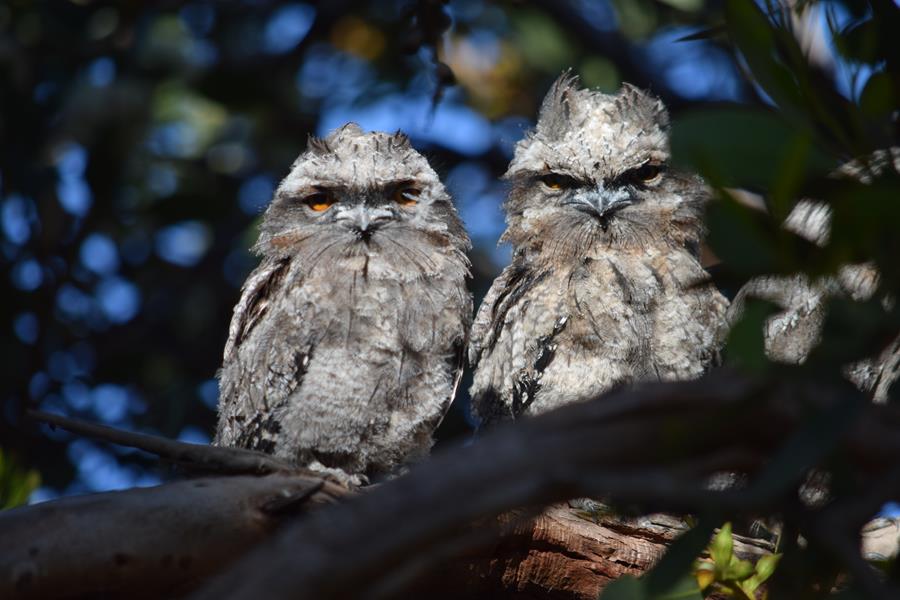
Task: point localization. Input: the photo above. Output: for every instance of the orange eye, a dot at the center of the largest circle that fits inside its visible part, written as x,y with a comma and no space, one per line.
557,182
319,202
647,173
407,196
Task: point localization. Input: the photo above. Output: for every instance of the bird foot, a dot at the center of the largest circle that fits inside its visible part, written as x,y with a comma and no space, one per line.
590,509
348,480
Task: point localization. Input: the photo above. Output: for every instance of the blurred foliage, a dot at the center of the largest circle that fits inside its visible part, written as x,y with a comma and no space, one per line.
142,140
797,146
722,574
16,483
725,574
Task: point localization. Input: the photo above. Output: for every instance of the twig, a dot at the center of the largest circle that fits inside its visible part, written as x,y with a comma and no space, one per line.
215,459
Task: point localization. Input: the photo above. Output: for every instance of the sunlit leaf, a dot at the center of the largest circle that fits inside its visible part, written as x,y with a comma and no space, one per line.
738,570
706,575
721,547
16,482
765,566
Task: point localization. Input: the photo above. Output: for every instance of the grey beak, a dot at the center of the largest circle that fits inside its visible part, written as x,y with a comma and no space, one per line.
365,220
601,202
362,220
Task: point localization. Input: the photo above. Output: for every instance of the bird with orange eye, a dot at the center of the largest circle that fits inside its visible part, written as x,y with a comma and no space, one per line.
405,194
606,286
608,196
345,348
377,208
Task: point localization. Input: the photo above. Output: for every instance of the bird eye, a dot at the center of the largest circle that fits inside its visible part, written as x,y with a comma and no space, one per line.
319,202
407,195
556,182
646,173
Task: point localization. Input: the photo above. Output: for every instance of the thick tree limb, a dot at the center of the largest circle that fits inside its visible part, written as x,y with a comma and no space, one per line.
634,446
655,446
149,542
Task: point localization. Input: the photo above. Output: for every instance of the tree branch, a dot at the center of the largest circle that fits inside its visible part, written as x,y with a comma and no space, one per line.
146,542
629,446
227,461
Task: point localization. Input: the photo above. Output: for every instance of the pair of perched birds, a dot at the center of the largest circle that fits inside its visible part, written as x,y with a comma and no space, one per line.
347,345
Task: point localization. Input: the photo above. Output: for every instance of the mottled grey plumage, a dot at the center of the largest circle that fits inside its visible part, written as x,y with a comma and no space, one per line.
346,346
605,286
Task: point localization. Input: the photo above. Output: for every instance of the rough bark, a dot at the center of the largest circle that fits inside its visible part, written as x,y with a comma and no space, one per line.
145,543
561,555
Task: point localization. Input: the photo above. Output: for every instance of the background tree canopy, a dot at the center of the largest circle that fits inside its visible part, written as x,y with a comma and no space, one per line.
142,140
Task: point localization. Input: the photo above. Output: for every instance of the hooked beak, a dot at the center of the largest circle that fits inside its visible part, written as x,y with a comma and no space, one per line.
365,220
600,202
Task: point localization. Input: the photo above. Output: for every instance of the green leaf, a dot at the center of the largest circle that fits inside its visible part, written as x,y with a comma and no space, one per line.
877,98
755,37
854,330
740,147
860,41
749,586
722,547
789,177
679,558
703,34
746,347
626,587
672,578
738,570
685,588
765,566
16,482
864,224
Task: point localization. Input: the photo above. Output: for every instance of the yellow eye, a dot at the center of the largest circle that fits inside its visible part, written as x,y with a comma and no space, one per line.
319,202
407,196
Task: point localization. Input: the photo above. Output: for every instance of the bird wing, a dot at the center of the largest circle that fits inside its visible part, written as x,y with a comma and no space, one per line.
481,336
507,289
256,379
255,297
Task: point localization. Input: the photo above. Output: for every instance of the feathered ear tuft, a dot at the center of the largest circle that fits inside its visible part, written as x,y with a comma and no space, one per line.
400,140
636,101
344,132
350,128
317,145
556,110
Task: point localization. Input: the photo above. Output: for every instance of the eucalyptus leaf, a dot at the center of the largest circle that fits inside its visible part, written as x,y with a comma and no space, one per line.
765,566
722,547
